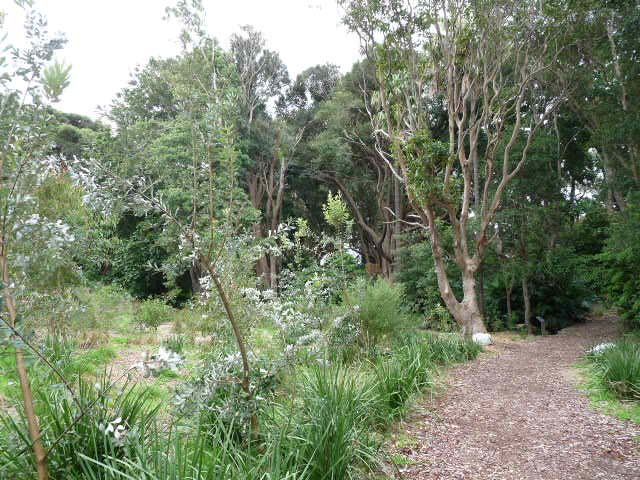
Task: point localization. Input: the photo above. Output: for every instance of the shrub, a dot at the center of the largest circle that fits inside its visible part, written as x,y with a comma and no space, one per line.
619,368
216,396
175,343
334,416
446,349
152,313
619,272
379,310
407,372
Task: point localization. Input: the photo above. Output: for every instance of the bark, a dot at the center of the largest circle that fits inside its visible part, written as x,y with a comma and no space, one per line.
526,297
246,386
466,313
27,395
508,297
194,275
508,290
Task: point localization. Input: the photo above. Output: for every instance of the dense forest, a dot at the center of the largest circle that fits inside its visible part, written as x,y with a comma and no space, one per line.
238,274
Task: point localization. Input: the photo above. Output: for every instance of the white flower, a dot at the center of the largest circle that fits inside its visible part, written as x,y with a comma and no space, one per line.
602,347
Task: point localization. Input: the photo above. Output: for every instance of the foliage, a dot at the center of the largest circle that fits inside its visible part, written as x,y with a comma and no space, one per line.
216,394
152,313
379,310
619,368
619,272
100,421
175,343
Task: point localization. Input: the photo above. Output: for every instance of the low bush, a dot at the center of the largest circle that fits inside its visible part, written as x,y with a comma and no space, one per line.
332,422
175,343
619,368
379,310
151,313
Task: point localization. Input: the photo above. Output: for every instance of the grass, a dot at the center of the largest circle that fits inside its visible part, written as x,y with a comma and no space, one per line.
326,422
604,399
93,361
611,378
619,368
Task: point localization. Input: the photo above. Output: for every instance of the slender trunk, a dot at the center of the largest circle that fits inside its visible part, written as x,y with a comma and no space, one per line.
27,395
508,290
526,297
481,296
273,273
395,243
610,179
246,386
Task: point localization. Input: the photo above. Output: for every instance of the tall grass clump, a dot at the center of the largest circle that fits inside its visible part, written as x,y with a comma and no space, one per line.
447,349
407,371
619,368
331,422
98,422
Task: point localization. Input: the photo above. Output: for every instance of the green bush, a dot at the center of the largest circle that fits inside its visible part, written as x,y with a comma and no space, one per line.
619,273
175,343
407,371
379,310
619,368
151,313
333,420
447,349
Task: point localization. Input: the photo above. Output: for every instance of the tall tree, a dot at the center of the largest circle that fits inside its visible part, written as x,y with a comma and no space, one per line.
261,77
488,61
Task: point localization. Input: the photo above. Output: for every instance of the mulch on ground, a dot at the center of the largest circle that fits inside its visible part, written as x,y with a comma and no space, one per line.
515,414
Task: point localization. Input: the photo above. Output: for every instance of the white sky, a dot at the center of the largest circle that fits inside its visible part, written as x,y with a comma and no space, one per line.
108,38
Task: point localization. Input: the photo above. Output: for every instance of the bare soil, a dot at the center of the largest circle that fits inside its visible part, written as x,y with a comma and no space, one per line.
516,414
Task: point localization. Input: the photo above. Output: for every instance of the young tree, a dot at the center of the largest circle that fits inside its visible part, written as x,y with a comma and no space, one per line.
487,60
28,83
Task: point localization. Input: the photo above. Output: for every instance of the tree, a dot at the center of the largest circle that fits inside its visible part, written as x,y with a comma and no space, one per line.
28,84
487,60
601,66
343,155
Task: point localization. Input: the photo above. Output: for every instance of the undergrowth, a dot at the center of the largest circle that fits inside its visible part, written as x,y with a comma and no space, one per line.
324,425
611,376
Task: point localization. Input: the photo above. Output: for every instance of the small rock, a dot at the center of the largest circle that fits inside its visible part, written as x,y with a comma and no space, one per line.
483,339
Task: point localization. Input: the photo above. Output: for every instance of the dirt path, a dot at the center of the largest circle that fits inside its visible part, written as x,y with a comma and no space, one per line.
515,414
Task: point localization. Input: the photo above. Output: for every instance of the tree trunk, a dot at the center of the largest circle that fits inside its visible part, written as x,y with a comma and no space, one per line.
246,385
481,296
273,273
27,395
508,289
469,315
526,297
466,313
194,274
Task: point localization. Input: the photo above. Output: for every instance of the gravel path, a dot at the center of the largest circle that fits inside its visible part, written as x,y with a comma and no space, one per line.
515,414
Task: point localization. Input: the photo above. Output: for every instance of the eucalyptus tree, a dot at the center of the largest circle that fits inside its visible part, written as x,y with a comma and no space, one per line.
182,172
603,68
29,81
261,78
489,61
